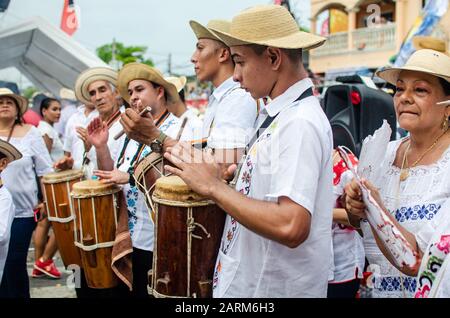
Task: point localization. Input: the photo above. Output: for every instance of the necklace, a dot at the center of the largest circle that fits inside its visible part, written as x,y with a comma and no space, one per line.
404,174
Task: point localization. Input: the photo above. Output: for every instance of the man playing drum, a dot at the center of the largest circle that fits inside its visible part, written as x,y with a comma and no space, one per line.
277,234
142,86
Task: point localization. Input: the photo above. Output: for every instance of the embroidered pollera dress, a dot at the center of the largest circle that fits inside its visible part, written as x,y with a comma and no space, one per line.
419,201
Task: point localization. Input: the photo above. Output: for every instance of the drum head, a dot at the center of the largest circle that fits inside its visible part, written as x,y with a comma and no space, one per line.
173,188
92,188
61,176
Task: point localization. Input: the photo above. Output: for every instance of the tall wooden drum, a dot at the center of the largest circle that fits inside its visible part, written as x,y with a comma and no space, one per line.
188,231
96,210
57,187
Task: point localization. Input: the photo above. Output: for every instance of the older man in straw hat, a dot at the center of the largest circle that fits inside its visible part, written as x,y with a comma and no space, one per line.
231,111
8,153
141,86
277,235
97,86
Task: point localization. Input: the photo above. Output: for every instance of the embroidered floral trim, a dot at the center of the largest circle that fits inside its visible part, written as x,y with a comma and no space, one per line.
417,212
394,284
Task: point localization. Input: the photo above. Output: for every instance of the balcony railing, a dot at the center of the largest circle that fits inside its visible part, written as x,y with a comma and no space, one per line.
380,38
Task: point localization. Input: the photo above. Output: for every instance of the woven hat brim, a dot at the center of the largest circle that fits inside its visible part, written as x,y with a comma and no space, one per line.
89,76
202,32
138,71
299,40
9,151
390,75
21,101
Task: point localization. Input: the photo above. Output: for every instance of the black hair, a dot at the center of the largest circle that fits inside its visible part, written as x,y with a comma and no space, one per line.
182,95
19,118
294,55
2,155
45,104
445,86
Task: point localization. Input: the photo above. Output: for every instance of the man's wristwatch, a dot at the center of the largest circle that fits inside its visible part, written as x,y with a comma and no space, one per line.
157,144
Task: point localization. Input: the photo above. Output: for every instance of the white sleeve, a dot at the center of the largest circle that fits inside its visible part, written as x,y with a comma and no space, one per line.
298,163
426,232
234,120
41,157
6,216
68,136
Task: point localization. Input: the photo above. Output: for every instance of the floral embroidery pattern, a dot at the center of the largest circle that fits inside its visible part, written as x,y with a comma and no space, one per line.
417,212
394,283
436,257
132,197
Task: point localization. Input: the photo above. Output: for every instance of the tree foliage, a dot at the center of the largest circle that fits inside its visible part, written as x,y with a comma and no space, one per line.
124,54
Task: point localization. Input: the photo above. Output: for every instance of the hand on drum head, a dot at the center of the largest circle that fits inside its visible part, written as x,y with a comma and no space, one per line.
97,133
66,163
196,167
139,128
112,177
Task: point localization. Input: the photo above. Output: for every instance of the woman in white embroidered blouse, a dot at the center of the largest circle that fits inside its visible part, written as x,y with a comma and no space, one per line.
414,182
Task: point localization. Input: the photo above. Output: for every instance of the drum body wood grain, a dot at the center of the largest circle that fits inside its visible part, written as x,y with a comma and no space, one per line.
96,209
188,231
57,188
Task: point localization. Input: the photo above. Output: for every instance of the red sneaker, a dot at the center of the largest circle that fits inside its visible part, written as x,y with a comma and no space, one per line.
37,273
48,268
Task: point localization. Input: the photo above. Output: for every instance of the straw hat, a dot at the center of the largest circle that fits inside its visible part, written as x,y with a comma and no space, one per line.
65,93
89,76
429,42
9,151
21,101
202,32
139,71
179,82
426,61
269,25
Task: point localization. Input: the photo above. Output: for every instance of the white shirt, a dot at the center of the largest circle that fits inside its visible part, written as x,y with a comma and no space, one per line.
140,223
419,201
229,117
68,109
19,177
194,126
72,142
57,151
292,158
6,219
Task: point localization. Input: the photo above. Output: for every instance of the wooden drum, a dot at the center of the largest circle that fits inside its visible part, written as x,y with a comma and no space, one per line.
188,231
57,187
96,210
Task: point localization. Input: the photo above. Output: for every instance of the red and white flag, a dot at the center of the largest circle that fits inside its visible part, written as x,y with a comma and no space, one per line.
69,21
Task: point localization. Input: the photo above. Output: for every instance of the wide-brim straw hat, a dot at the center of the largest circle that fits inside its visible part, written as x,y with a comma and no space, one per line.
179,82
89,76
22,102
9,151
429,42
425,61
65,93
268,25
139,71
206,32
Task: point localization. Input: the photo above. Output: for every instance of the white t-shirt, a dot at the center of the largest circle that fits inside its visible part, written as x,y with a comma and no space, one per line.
194,126
230,117
72,142
292,158
6,219
140,223
19,177
57,151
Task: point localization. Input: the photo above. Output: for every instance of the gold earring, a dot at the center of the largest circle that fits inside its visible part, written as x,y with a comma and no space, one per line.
445,124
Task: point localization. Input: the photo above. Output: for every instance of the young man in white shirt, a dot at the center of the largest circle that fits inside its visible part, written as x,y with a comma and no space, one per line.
277,235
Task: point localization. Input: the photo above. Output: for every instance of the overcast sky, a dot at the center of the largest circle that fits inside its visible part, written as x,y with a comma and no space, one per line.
162,26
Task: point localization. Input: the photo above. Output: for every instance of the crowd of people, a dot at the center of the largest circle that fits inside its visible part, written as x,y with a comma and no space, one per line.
264,153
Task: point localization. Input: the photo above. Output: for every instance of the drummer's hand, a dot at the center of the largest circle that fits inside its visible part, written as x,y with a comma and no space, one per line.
83,135
65,163
42,212
139,128
353,200
112,177
97,133
196,167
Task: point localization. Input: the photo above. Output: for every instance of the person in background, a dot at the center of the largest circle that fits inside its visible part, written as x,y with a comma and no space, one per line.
68,108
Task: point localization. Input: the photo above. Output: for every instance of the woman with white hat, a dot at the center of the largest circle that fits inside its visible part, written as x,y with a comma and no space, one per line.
414,184
20,179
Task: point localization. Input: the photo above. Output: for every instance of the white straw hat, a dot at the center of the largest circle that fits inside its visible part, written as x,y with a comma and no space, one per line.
9,151
269,25
89,76
22,102
425,61
206,32
179,82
